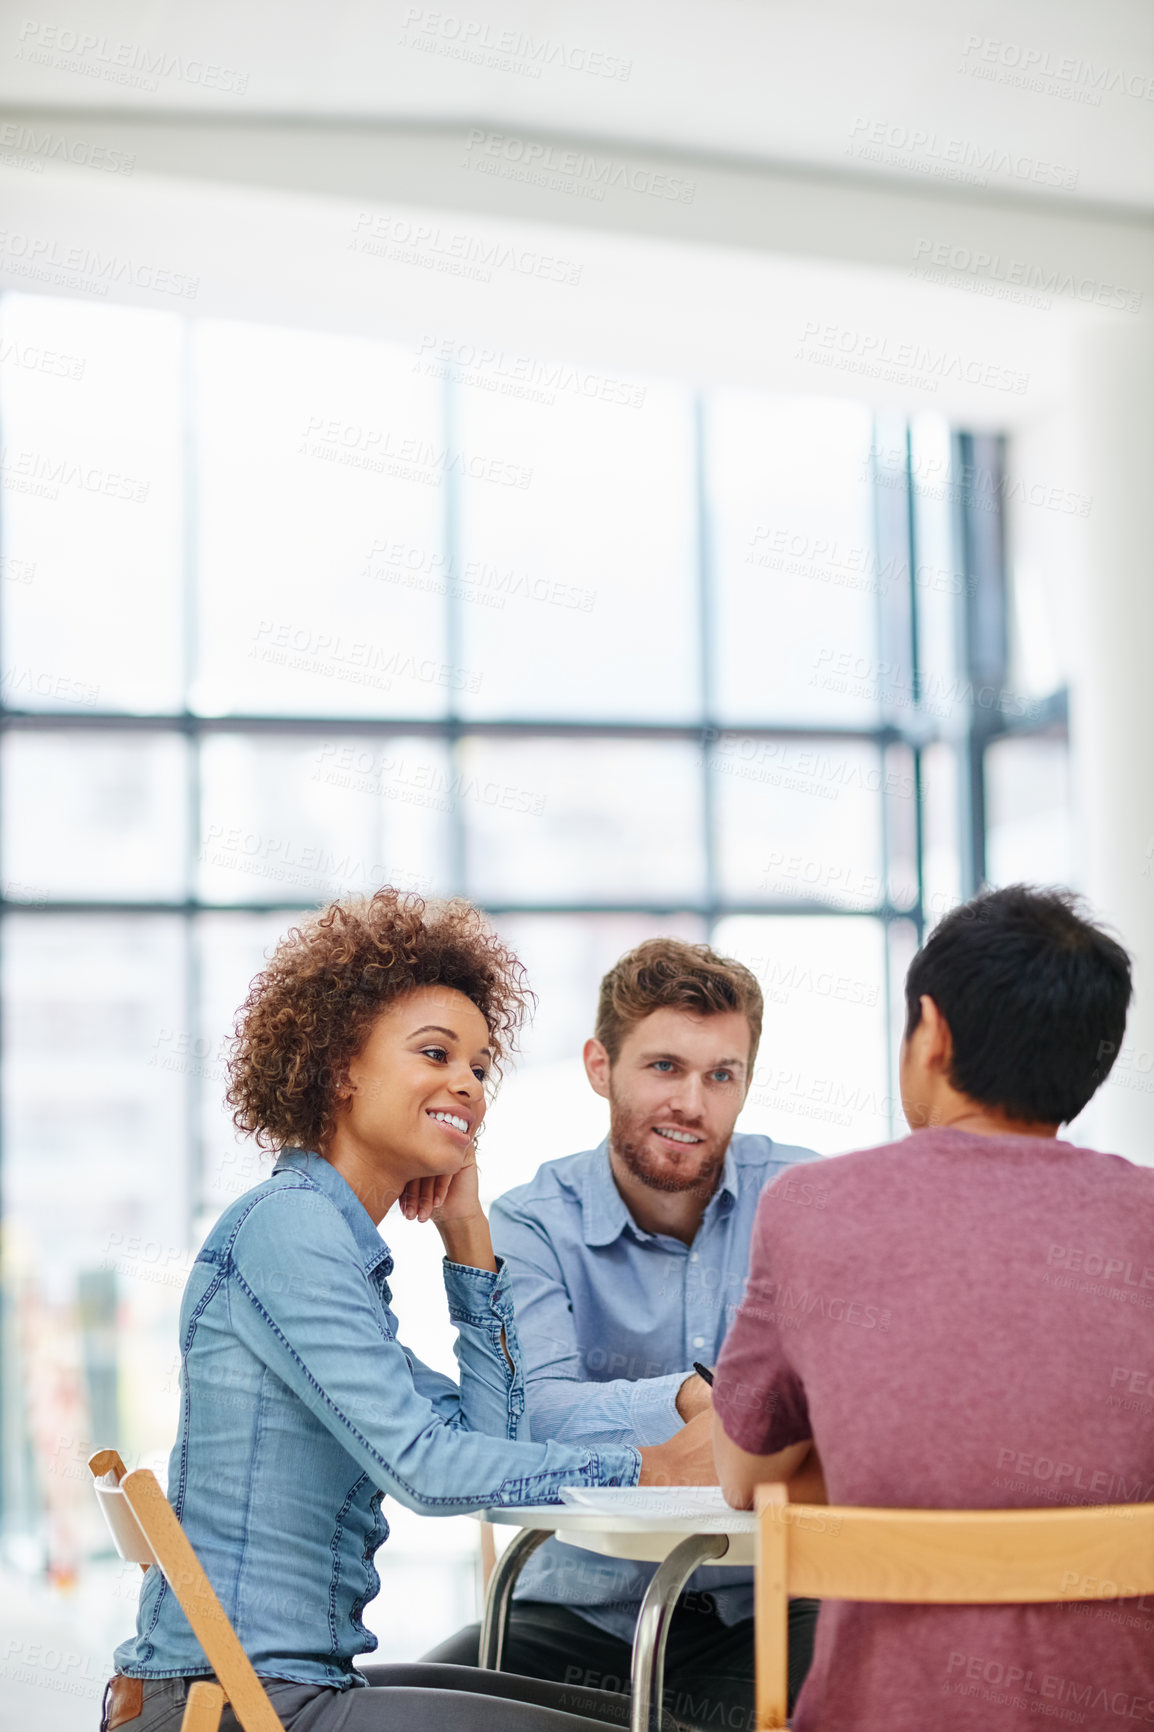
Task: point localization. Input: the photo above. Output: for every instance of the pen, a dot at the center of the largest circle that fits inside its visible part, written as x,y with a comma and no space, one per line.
703,1372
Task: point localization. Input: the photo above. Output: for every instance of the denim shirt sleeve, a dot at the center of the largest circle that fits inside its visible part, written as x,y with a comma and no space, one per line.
488,1398
300,1300
563,1402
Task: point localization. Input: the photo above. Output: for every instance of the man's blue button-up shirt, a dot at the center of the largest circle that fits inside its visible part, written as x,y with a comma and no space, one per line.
610,1320
300,1409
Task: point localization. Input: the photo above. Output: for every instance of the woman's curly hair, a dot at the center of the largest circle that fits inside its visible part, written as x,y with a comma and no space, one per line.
309,1012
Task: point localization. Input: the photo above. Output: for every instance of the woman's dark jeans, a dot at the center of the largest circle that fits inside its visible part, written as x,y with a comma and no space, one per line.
412,1698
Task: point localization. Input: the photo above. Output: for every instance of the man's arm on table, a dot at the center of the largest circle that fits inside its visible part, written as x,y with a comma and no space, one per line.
739,1473
563,1401
761,1425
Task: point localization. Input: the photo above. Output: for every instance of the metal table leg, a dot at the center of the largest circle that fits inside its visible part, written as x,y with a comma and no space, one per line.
653,1624
501,1584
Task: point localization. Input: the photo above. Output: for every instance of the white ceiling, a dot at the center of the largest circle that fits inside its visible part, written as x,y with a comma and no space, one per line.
801,82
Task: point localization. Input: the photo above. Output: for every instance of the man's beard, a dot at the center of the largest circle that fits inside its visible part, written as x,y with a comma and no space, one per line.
697,1169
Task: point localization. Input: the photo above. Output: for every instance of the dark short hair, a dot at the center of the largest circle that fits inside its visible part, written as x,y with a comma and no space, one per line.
309,1012
667,973
1035,996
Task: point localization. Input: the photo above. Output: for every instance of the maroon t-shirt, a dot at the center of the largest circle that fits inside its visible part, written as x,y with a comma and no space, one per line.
960,1322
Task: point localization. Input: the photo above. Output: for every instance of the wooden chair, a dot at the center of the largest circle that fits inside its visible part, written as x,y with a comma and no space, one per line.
934,1557
145,1531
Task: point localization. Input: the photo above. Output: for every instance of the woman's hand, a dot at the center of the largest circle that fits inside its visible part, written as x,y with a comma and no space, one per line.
453,1204
445,1199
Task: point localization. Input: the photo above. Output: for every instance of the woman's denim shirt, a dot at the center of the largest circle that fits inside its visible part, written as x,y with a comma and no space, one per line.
300,1410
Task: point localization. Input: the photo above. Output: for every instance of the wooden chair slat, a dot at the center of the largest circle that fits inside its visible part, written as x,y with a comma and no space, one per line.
204,1708
935,1557
771,1613
157,1530
184,1574
970,1557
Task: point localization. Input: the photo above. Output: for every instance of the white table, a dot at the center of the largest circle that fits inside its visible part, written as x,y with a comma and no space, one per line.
678,1544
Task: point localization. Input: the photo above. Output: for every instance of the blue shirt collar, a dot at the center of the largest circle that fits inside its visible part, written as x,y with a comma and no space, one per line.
324,1176
604,1212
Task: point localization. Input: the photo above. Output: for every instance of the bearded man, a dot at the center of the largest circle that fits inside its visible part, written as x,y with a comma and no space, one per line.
628,1263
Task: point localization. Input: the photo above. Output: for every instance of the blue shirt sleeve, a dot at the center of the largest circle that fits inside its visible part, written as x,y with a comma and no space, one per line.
487,1398
301,1301
562,1401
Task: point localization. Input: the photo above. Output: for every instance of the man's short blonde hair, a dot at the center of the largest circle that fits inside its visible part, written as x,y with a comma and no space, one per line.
666,973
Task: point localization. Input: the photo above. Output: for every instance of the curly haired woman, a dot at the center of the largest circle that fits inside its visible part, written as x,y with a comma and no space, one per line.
363,1057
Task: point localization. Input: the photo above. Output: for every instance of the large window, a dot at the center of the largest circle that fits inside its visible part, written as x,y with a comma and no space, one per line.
288,615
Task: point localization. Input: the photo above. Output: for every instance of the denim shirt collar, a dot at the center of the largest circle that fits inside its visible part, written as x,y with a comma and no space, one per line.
370,1246
604,1213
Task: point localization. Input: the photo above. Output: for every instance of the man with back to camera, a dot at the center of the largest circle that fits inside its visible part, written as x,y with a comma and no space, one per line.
627,1262
1015,1275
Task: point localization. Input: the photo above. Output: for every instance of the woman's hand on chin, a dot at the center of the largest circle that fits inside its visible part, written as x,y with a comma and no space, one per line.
446,1199
451,1201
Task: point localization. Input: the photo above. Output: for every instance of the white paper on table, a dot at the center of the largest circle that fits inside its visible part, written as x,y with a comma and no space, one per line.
684,1501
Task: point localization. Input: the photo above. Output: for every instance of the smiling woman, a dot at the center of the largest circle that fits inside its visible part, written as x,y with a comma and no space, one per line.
309,1012
374,1037
364,1056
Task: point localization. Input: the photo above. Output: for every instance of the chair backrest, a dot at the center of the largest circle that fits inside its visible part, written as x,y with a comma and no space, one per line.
145,1531
935,1557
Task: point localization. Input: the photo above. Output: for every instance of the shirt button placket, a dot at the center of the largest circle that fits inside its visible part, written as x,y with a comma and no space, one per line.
702,1294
